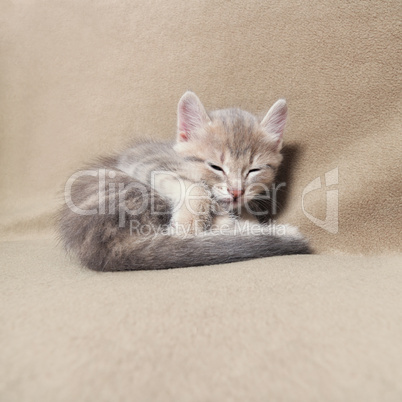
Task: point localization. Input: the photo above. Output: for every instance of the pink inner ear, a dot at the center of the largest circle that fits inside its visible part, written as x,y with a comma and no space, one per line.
191,117
183,111
183,136
275,120
276,123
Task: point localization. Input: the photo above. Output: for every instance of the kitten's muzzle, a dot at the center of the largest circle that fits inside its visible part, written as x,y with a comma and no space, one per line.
236,193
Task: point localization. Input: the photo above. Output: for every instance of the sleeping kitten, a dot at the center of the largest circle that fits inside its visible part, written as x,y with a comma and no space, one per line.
168,205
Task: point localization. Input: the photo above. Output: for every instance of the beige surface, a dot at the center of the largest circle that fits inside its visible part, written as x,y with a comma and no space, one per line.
297,328
81,78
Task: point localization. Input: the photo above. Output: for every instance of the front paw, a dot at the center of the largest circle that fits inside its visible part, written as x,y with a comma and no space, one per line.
224,222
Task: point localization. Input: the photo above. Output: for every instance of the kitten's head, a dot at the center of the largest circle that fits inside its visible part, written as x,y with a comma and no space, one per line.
236,154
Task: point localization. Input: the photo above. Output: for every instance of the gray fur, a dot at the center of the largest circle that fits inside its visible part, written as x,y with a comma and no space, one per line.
104,241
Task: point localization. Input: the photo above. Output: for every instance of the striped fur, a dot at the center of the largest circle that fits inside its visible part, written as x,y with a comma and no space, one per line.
124,212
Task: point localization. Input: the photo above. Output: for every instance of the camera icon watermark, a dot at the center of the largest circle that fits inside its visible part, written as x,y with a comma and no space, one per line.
331,221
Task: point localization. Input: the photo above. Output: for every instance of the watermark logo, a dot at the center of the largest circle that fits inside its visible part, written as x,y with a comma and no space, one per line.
234,227
102,192
330,223
110,195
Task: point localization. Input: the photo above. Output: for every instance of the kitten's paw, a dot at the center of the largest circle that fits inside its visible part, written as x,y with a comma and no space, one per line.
223,222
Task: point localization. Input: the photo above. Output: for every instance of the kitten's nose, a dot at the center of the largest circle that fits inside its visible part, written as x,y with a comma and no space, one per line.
236,193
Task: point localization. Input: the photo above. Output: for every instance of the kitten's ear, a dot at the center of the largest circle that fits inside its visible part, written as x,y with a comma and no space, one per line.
191,116
274,122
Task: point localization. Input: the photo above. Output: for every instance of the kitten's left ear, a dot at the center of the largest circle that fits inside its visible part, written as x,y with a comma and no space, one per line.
274,122
191,116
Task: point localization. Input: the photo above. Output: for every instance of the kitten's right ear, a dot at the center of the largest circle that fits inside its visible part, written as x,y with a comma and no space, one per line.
191,116
274,122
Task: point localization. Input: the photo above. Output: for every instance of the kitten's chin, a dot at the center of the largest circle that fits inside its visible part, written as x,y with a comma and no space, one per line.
231,204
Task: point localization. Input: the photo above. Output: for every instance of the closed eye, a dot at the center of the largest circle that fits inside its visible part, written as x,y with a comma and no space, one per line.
215,167
254,170
259,169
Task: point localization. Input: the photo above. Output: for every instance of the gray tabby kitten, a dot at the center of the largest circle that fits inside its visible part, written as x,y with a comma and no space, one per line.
184,203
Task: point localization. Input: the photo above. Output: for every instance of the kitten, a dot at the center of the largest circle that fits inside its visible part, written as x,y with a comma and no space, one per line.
168,205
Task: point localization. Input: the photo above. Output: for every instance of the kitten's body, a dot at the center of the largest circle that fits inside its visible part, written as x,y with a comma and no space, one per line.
168,205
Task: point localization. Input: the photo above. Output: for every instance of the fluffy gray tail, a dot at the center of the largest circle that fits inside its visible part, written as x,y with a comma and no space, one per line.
104,242
164,252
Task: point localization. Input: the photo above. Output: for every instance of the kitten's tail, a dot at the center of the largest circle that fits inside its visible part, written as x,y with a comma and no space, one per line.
164,251
105,242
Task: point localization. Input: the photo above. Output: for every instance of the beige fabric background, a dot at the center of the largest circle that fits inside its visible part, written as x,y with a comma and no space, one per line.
78,79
